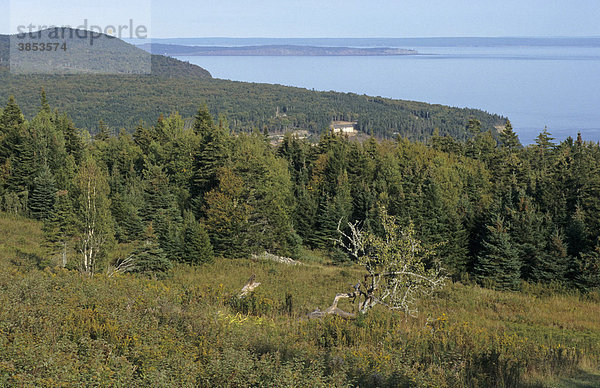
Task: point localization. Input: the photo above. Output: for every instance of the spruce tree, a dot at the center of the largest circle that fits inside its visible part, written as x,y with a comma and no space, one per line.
585,270
498,261
212,154
128,223
142,137
148,257
11,117
227,214
44,106
60,228
552,262
197,248
508,137
73,141
577,233
103,132
544,141
528,233
203,121
24,166
43,196
11,121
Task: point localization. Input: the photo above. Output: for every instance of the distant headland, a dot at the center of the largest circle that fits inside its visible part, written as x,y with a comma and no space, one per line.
271,50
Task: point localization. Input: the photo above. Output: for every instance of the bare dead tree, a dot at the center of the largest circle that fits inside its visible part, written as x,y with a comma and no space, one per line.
396,277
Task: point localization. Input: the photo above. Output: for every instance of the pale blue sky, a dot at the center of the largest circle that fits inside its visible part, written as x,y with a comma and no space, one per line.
324,18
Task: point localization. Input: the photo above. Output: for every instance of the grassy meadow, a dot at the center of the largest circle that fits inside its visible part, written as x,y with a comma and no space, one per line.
59,328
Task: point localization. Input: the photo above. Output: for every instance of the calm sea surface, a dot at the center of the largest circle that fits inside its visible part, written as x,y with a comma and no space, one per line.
557,87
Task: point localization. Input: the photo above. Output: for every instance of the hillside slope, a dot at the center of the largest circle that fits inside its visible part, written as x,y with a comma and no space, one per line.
124,99
58,327
106,55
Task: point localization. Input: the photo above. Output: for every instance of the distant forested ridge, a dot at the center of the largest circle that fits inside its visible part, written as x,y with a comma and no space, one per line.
121,101
494,211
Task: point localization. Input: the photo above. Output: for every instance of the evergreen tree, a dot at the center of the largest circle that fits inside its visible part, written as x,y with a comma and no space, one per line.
508,137
227,215
197,248
142,137
43,196
11,117
499,260
544,141
128,223
44,106
158,197
325,228
552,262
577,233
103,133
60,228
203,121
305,214
148,257
24,167
586,270
212,154
11,121
528,233
473,127
73,141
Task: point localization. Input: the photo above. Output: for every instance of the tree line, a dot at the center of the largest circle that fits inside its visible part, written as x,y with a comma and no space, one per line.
492,209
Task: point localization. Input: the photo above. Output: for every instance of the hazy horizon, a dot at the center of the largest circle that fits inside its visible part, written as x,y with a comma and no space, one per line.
314,18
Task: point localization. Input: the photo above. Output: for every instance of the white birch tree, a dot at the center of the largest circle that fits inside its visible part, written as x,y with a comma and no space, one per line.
94,218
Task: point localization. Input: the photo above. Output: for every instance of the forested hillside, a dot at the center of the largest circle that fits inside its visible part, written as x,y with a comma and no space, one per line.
495,211
123,100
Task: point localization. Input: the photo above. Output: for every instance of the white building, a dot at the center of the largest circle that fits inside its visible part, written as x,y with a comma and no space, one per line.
349,127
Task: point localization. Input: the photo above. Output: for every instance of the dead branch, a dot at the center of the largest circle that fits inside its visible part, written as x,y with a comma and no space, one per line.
354,242
334,309
124,266
249,287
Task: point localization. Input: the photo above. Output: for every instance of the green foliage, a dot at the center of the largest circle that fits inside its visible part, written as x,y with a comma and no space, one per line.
553,261
94,220
396,265
61,228
203,122
586,270
250,196
197,248
508,137
498,261
178,86
147,257
43,196
211,154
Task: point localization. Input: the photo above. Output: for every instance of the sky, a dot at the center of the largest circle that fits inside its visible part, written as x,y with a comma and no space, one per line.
317,18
